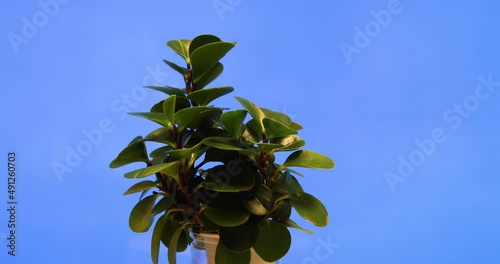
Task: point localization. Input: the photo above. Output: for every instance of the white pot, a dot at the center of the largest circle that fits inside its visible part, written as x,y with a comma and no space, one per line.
203,250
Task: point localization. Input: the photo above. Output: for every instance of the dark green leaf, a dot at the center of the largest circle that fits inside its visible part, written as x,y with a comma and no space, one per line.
269,147
276,129
205,119
171,169
160,152
274,240
185,116
163,204
287,183
205,57
233,122
159,118
134,152
205,96
169,90
141,219
308,159
176,67
226,210
156,238
202,40
261,204
141,186
310,208
230,178
254,111
161,135
283,213
187,152
239,239
209,76
225,255
172,246
222,143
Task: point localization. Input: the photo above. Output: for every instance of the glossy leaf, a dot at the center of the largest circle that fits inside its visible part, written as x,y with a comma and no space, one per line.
261,203
181,47
233,122
254,111
202,40
291,224
205,118
160,152
156,238
291,142
176,67
269,147
159,118
274,240
186,152
163,204
295,126
225,255
287,183
280,117
184,116
221,143
169,109
226,210
168,90
308,159
209,76
276,129
172,247
141,219
205,57
310,208
239,239
134,152
227,178
170,169
161,135
205,96
141,186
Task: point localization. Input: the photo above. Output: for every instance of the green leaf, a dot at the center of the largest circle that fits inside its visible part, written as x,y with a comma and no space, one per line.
168,90
282,214
225,255
156,238
181,47
276,129
295,126
186,115
134,152
291,142
160,152
159,118
176,67
202,40
161,135
222,143
171,169
254,111
205,119
287,183
141,186
205,96
291,224
308,159
206,56
226,178
163,204
268,147
141,219
274,241
169,109
209,76
261,204
280,117
239,239
172,247
310,208
186,152
233,122
226,210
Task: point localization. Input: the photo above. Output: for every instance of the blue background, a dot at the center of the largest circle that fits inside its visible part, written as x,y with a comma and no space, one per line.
366,112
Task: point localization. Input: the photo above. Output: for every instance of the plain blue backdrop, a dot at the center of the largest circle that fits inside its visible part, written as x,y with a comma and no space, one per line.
403,95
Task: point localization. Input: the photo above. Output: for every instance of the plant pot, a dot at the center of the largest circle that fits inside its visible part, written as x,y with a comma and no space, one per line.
203,250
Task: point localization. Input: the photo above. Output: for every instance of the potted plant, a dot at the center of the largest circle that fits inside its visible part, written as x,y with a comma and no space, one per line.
216,183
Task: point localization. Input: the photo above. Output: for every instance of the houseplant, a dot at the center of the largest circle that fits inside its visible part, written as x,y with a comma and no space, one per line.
215,170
